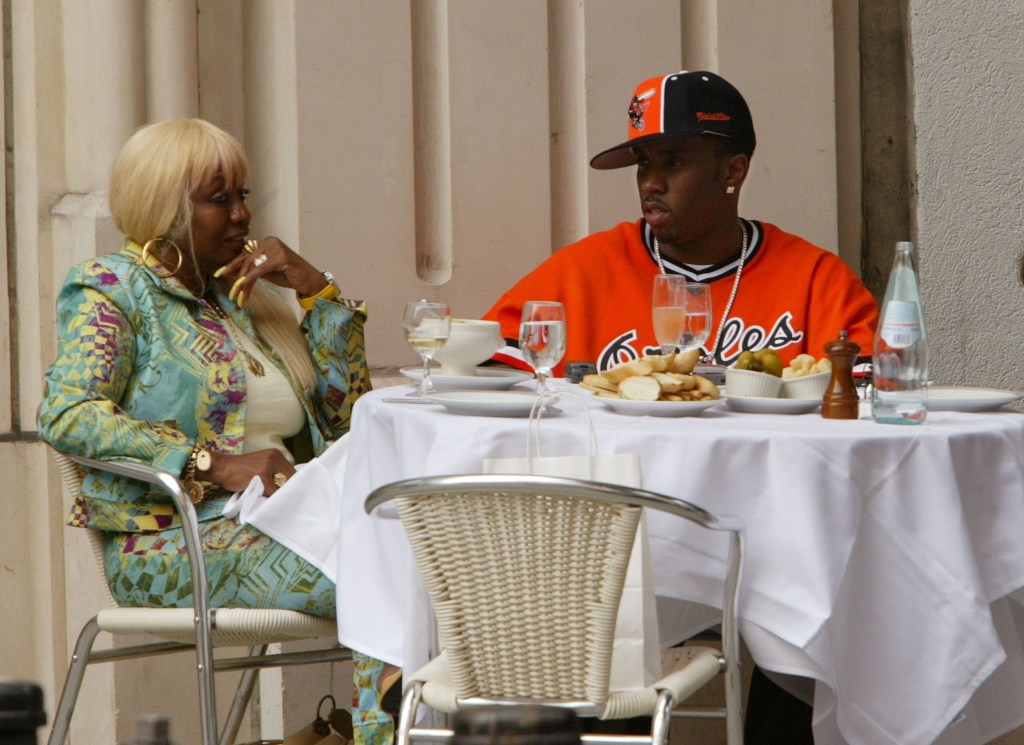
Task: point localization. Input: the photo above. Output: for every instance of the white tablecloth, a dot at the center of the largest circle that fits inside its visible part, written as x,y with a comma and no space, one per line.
874,552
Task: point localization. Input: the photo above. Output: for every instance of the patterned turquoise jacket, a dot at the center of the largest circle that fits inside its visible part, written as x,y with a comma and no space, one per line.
145,371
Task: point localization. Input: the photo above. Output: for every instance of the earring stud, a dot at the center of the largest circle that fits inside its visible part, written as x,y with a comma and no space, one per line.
730,189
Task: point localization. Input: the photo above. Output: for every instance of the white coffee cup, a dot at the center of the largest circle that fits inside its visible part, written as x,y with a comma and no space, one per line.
470,343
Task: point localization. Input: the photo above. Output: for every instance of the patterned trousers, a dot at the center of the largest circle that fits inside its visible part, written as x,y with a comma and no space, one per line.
245,569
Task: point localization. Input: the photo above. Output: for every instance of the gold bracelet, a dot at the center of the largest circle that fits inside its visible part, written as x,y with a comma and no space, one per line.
195,490
329,292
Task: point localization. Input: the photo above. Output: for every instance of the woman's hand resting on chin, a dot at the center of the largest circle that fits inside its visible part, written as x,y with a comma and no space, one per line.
275,262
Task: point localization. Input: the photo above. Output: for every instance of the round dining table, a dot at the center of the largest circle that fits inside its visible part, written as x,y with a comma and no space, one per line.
880,568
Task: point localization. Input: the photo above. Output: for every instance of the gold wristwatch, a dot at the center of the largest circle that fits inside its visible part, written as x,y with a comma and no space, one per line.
198,462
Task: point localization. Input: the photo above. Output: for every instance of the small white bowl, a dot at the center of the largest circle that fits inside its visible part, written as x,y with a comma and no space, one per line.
806,387
470,343
751,383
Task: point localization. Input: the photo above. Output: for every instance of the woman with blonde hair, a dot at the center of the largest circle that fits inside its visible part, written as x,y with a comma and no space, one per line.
185,350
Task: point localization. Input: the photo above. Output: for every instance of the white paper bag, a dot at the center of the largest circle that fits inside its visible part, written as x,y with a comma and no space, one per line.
636,655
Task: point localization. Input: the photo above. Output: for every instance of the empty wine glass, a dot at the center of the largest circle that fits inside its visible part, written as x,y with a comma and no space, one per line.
427,326
668,311
542,337
698,316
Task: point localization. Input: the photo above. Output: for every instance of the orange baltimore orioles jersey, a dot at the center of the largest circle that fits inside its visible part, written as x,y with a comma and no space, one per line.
792,296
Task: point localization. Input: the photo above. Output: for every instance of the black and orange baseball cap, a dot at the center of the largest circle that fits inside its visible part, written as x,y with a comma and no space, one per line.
683,103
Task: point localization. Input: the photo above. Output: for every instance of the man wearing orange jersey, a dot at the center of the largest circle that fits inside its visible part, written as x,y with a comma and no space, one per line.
691,137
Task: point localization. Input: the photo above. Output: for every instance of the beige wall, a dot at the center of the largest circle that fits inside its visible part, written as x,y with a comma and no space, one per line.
969,120
449,156
437,149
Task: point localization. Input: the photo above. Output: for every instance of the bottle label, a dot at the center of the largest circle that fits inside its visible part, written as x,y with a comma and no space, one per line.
901,326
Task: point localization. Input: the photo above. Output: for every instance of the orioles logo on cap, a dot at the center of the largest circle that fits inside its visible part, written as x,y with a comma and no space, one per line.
638,107
707,116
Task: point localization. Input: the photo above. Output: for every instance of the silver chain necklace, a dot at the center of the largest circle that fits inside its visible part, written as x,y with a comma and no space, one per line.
710,358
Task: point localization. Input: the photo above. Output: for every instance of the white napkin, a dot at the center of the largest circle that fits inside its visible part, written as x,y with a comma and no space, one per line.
303,514
244,500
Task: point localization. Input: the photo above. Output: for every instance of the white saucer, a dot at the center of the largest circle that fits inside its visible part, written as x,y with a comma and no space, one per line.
486,403
957,398
486,378
764,405
657,408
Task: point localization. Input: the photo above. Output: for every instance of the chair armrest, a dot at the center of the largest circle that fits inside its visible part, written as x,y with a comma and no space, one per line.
141,472
151,475
190,529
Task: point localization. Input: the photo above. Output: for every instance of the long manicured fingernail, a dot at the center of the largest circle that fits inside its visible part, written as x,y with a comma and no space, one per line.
220,271
235,286
240,300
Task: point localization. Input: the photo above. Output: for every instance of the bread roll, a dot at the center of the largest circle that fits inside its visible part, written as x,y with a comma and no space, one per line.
640,388
598,384
658,362
668,383
684,362
621,372
706,387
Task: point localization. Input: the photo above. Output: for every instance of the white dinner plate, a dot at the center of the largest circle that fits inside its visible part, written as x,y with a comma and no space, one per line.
486,378
486,403
764,405
957,398
657,408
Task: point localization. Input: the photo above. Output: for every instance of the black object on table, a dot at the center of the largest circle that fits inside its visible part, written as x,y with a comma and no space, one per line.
574,371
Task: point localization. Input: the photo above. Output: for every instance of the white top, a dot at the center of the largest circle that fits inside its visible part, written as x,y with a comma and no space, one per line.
273,411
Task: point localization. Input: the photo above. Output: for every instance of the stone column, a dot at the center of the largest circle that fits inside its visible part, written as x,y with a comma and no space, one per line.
172,74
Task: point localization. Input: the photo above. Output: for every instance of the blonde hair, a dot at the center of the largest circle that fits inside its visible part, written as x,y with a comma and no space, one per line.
155,176
158,170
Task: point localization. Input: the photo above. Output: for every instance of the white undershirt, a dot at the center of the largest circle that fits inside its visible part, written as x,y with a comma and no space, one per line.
273,412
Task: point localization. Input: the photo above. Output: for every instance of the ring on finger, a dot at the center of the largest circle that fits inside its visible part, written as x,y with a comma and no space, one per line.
280,479
250,246
259,261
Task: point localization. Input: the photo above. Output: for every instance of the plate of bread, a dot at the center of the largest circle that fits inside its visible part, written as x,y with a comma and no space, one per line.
655,385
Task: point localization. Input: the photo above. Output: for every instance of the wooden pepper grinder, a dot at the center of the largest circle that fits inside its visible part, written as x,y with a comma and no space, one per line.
840,400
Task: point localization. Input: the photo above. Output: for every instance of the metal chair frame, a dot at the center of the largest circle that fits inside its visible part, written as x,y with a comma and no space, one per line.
197,629
431,538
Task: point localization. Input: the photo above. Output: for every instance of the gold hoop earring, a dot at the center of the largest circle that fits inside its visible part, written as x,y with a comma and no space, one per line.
151,241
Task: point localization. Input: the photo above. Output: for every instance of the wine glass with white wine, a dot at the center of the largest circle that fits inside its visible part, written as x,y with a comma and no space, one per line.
427,327
542,337
698,316
668,311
